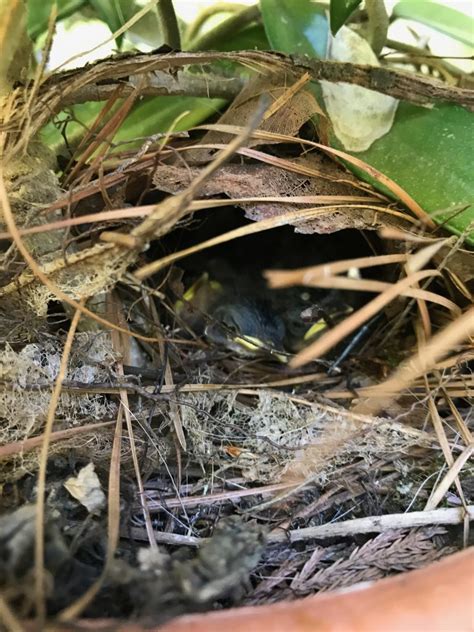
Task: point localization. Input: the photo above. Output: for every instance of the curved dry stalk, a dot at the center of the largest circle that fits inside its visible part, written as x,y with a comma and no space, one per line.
305,276
293,217
390,184
196,205
419,363
41,483
358,318
449,478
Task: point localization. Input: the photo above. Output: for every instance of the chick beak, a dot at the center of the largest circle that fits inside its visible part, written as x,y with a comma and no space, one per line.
254,345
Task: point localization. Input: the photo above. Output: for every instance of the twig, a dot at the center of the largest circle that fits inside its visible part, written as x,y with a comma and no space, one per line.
163,537
395,83
376,524
161,83
371,524
193,501
77,86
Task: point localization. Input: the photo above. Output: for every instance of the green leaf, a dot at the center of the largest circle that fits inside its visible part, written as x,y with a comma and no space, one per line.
157,114
40,10
251,38
340,11
83,117
151,116
112,13
429,153
439,16
296,26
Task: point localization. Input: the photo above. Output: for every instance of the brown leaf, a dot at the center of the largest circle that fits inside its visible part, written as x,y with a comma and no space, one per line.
309,176
292,107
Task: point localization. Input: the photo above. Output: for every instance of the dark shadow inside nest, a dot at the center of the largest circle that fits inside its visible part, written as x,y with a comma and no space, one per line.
219,294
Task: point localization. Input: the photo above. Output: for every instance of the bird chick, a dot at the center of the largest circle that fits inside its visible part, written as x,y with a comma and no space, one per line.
248,326
233,317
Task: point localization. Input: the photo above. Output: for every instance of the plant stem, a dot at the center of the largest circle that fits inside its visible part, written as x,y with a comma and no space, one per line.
429,57
204,15
378,24
228,27
169,24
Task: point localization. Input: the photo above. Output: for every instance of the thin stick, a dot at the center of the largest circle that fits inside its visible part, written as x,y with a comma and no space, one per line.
376,524
371,524
193,501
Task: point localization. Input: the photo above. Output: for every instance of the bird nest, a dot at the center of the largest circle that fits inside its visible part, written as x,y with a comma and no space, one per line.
220,472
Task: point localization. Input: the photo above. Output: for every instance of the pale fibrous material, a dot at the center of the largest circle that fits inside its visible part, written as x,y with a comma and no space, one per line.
27,377
279,439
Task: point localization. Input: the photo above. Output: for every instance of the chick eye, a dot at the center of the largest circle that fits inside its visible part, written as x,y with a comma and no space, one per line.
226,318
230,325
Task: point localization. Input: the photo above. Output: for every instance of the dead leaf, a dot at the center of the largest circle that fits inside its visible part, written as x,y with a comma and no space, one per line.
308,176
295,108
